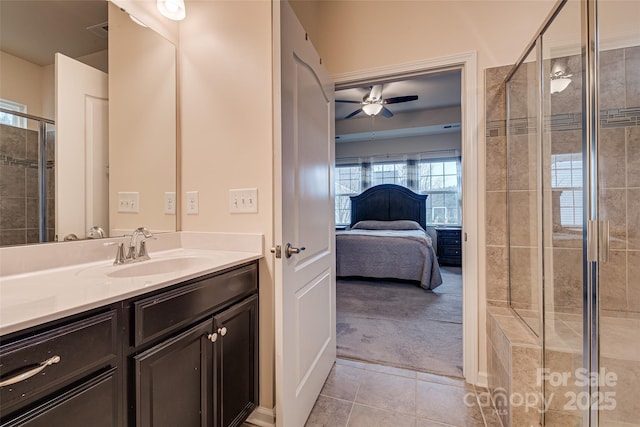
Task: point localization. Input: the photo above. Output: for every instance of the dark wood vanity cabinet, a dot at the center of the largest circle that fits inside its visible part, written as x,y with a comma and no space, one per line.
236,363
183,356
195,352
62,375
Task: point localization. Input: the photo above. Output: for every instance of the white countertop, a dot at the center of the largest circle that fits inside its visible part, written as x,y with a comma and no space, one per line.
34,297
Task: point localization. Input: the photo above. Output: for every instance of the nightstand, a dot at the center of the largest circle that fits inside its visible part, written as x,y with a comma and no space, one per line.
449,245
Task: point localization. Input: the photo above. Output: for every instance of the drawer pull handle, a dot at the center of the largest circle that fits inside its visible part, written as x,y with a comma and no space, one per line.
222,331
35,371
212,337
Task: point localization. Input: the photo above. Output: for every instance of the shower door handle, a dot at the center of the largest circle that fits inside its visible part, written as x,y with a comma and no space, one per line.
605,239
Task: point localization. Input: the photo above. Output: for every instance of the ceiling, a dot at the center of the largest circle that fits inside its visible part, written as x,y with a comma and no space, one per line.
35,30
436,91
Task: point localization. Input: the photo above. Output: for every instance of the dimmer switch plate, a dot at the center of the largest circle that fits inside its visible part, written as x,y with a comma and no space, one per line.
243,200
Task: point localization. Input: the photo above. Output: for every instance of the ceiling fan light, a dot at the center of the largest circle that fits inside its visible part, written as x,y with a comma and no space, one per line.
372,109
557,85
172,9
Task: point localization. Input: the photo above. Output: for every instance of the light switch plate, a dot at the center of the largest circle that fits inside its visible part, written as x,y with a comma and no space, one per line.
170,203
129,202
192,203
243,200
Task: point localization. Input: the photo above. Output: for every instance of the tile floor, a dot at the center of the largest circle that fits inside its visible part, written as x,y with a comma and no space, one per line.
362,394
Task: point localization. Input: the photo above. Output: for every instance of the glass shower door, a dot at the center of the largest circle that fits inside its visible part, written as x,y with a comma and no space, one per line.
618,148
564,159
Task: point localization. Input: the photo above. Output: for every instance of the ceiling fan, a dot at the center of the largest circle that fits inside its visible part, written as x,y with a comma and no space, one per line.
373,103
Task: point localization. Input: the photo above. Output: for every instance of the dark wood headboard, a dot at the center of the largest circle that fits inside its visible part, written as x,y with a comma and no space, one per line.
389,202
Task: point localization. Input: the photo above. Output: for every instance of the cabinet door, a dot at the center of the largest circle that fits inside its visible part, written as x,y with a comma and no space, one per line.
236,363
93,403
173,381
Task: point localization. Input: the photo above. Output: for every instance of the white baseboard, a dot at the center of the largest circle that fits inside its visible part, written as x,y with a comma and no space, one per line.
263,417
482,379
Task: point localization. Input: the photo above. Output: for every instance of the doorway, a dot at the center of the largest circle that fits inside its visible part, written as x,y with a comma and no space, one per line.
465,64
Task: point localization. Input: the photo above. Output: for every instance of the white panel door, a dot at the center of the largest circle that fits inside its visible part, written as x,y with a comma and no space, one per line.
82,141
304,219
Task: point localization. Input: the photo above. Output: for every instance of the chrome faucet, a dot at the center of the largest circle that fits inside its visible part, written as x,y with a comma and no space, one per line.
138,254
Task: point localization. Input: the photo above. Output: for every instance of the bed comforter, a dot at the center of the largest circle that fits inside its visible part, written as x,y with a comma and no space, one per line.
399,254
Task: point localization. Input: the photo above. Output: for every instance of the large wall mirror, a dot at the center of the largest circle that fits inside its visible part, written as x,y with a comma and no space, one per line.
87,123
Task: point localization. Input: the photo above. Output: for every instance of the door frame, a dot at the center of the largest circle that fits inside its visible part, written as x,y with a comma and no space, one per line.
467,63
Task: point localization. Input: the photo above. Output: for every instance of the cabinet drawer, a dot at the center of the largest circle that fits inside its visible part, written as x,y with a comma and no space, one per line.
169,311
451,251
451,240
80,348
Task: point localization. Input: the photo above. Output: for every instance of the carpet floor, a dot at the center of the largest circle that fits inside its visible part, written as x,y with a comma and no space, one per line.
400,324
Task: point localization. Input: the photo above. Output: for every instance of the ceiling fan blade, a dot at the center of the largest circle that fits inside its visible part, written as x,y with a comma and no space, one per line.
358,111
348,101
398,99
386,112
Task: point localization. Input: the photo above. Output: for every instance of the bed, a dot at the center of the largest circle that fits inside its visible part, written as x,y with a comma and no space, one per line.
386,238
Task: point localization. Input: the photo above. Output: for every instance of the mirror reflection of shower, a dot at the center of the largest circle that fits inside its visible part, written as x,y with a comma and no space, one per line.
27,171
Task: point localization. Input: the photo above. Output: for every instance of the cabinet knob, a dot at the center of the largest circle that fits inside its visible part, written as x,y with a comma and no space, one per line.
222,331
212,337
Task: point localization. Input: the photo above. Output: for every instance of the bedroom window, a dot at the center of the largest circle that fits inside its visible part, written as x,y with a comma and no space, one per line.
348,183
566,178
441,180
389,173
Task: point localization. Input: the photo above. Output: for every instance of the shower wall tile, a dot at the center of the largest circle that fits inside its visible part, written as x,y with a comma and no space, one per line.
565,141
523,217
613,277
633,210
612,162
32,145
562,419
51,214
626,389
32,212
522,162
496,217
632,71
12,237
12,141
497,268
567,278
613,208
496,161
31,182
33,236
633,284
611,79
12,180
524,277
559,393
12,213
633,156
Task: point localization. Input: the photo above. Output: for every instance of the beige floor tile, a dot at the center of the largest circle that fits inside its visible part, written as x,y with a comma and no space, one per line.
388,392
448,404
441,379
329,412
422,422
343,382
365,416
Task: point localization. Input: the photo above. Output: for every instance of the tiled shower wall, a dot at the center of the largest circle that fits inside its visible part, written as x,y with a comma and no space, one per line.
19,202
619,189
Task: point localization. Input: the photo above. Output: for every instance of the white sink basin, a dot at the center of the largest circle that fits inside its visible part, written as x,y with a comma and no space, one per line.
160,266
151,267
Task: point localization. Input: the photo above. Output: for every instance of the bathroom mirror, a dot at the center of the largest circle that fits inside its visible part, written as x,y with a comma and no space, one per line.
141,130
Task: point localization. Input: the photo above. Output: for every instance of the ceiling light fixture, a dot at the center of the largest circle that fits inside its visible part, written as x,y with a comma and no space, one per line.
172,9
372,109
560,80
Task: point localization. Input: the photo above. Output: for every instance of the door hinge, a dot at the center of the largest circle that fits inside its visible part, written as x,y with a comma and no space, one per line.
277,250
